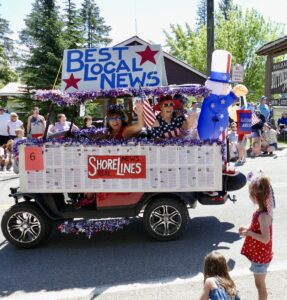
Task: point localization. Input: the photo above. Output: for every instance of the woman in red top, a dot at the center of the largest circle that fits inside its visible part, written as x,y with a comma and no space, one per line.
117,123
257,246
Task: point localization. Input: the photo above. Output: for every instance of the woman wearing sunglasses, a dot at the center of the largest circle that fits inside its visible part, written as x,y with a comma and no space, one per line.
168,124
116,122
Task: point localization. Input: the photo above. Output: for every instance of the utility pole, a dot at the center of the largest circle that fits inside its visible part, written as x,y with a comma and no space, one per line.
210,33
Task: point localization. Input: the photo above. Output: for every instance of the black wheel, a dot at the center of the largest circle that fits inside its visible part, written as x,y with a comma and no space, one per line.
165,219
24,225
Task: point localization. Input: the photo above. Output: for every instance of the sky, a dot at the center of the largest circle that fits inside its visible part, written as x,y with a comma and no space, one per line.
145,18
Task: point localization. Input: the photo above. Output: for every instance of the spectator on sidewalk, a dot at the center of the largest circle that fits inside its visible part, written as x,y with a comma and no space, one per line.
88,123
282,122
36,124
271,119
62,125
19,137
269,139
4,119
14,124
263,107
6,156
233,142
3,159
217,281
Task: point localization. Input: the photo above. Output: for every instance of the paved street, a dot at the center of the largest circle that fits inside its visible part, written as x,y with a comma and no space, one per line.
129,265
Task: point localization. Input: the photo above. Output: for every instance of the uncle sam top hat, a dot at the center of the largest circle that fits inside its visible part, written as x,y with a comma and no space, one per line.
220,66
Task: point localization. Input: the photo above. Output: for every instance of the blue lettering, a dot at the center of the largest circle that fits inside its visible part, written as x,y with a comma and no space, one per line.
109,70
74,56
89,54
96,69
121,79
105,52
120,50
137,81
150,77
86,74
109,79
122,66
134,66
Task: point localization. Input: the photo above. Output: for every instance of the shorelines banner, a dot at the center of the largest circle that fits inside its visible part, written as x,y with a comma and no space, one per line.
122,168
113,68
116,166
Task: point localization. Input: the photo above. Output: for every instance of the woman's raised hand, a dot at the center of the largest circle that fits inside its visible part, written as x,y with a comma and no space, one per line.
138,108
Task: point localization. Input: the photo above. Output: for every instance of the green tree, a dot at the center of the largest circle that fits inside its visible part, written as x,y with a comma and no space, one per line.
7,53
43,37
225,7
243,34
96,32
201,13
73,34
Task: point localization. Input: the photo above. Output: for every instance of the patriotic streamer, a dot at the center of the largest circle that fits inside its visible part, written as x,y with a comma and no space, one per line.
92,227
68,99
83,140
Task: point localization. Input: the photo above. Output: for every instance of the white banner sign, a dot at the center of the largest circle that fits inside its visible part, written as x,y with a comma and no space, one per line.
61,168
237,73
113,68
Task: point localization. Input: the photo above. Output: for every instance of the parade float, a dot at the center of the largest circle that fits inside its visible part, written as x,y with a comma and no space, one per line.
85,183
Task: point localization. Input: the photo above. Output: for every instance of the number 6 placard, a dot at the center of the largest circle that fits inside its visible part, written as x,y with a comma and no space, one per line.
34,159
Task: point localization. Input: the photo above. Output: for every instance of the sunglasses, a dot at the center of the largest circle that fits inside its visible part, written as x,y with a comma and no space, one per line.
114,119
171,104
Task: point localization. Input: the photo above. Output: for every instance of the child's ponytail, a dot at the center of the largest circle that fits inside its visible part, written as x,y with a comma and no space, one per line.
260,190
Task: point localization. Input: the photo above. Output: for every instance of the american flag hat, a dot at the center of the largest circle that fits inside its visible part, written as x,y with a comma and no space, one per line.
220,66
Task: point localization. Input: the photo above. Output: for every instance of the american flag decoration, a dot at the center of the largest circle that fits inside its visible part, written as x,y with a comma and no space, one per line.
255,119
148,114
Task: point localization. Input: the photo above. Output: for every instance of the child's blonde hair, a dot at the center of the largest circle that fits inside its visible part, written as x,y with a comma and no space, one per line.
215,266
19,130
260,190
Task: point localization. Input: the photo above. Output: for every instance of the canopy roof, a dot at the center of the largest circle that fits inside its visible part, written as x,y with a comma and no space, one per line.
67,99
13,89
274,47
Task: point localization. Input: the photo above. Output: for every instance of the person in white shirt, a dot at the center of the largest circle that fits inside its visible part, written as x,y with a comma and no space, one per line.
269,139
14,124
63,125
4,119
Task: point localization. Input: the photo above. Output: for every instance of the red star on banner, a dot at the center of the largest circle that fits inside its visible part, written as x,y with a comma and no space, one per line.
147,55
72,81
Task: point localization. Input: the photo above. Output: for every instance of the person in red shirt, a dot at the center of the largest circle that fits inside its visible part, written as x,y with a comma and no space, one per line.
257,246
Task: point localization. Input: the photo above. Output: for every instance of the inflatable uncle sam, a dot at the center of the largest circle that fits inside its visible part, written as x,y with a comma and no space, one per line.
213,119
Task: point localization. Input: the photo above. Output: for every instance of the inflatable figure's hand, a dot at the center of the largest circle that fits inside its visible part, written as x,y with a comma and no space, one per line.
240,90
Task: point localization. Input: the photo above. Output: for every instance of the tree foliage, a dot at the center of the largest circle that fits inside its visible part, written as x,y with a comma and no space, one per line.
242,34
95,31
201,13
43,37
7,53
225,7
73,31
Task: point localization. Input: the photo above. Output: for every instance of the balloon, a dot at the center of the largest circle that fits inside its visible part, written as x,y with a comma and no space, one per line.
213,118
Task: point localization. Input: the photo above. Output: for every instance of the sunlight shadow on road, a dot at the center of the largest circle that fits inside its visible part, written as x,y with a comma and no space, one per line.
123,257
